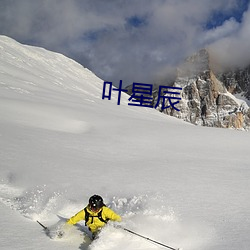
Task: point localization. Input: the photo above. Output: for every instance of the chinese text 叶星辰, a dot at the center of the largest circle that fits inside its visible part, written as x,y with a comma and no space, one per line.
142,95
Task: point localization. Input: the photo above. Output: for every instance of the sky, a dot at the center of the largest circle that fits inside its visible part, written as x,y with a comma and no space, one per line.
132,40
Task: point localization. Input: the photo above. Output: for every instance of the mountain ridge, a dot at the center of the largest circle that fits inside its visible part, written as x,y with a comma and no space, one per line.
206,100
210,97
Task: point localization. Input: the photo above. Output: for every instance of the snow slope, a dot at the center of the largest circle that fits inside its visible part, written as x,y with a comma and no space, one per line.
176,183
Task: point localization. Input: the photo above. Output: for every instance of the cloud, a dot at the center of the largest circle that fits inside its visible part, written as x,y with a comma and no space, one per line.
228,28
233,49
136,41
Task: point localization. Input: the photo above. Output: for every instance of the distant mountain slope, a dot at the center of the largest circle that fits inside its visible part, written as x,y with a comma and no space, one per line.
237,81
22,67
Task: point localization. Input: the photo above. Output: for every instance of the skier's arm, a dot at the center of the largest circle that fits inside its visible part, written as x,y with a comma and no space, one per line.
110,214
77,217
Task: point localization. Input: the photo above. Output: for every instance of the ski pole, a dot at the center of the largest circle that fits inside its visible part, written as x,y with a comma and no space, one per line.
146,238
45,228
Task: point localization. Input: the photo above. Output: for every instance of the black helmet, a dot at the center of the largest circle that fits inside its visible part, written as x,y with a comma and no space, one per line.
96,202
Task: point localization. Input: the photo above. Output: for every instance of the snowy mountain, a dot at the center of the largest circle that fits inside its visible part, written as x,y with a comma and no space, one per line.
205,99
209,97
182,185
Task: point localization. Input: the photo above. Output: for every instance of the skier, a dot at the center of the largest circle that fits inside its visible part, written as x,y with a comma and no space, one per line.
95,214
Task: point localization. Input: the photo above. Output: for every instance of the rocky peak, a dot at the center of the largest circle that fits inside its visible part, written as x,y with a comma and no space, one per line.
196,64
206,98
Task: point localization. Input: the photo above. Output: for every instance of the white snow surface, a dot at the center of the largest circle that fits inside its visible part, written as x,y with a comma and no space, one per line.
182,185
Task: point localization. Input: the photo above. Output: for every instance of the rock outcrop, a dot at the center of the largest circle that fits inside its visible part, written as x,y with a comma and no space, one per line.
237,81
207,99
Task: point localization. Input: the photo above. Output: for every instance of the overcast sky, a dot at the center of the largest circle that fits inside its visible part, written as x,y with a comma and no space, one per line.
131,40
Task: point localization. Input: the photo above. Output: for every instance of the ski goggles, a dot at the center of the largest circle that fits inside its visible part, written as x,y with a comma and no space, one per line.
94,208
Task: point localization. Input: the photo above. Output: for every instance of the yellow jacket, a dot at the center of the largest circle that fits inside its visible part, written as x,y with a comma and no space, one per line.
94,223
